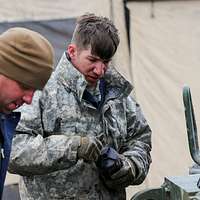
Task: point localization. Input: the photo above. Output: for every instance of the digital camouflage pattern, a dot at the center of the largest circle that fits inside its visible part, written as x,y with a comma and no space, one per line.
44,149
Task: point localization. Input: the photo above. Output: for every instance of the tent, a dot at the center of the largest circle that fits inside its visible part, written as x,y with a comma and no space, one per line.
165,46
161,57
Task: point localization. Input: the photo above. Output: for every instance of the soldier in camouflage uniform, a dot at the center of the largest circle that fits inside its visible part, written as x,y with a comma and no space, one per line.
85,106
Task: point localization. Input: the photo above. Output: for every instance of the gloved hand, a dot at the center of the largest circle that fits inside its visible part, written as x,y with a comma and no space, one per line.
109,162
123,177
116,170
89,149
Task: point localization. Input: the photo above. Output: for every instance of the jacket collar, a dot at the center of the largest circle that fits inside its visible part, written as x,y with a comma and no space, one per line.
116,84
70,77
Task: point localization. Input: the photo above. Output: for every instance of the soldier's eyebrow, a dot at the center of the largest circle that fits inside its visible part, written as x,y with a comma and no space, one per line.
93,57
98,58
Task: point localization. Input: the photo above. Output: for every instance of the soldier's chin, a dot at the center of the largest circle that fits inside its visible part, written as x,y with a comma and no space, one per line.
92,81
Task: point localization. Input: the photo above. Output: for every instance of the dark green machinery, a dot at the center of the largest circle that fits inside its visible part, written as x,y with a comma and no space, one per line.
180,187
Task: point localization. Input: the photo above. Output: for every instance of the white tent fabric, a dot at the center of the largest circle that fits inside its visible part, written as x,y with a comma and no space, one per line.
165,56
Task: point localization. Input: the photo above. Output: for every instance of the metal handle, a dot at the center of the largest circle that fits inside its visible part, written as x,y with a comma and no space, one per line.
191,125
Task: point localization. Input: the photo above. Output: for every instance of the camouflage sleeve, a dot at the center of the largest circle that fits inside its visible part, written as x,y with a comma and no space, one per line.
33,154
138,140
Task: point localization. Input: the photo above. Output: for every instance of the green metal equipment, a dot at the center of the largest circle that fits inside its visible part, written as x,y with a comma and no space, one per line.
180,187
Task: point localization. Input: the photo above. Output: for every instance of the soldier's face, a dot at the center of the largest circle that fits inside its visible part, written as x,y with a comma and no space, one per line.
13,95
91,66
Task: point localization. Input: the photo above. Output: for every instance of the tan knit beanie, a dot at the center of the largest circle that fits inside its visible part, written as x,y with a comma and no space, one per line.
26,56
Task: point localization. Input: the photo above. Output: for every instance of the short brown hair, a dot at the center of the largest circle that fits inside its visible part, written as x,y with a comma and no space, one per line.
99,33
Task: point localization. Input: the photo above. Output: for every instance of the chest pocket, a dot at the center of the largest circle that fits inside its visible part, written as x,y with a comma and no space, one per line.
82,122
61,128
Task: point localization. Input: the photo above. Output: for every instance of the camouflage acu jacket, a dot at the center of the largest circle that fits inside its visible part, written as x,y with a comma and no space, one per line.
44,149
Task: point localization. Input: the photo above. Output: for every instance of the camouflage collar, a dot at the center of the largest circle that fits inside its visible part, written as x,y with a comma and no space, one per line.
70,77
116,82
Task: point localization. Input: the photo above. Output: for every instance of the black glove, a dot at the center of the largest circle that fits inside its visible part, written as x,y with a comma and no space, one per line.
116,170
89,149
109,162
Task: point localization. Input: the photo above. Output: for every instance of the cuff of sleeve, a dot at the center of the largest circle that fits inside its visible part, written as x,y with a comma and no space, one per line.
132,167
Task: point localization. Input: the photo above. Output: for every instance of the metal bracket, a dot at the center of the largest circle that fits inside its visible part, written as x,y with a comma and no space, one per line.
149,194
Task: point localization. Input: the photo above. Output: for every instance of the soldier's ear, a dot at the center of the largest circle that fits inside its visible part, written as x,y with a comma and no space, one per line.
72,50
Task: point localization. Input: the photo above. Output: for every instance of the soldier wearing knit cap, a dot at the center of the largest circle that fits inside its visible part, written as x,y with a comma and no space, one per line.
26,59
26,63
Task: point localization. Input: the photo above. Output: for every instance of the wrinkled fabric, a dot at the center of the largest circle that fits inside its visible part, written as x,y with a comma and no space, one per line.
44,149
